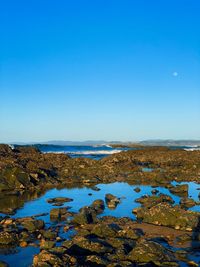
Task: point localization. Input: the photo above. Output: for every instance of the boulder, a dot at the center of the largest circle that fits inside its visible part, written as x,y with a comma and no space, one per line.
152,252
57,214
111,201
86,215
149,201
32,225
180,190
98,206
167,215
8,238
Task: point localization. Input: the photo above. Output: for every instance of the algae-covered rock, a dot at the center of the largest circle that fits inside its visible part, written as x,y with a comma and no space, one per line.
32,225
3,264
8,238
187,202
152,252
105,230
111,201
57,214
86,215
168,215
88,246
46,259
46,244
180,190
149,201
59,200
14,178
98,205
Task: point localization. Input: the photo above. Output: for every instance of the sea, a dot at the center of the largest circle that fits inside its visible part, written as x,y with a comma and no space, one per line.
86,151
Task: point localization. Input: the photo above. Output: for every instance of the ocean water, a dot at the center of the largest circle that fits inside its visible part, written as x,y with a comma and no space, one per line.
95,151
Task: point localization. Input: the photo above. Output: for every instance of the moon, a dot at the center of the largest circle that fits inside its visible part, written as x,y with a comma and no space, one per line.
175,73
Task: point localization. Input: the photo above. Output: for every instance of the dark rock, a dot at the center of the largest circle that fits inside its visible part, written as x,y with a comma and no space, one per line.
152,252
111,201
57,214
98,206
8,238
32,225
59,200
86,215
180,190
187,202
154,191
137,189
105,230
3,264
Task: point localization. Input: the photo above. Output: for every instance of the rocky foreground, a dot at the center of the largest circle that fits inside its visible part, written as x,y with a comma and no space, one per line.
163,235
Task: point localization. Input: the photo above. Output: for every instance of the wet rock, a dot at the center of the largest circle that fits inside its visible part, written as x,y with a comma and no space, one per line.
154,191
49,234
47,259
3,264
98,205
59,200
13,178
111,201
32,225
168,215
8,238
180,190
23,244
149,201
187,202
95,260
88,246
137,189
184,238
5,150
95,188
86,215
105,230
152,252
46,244
57,214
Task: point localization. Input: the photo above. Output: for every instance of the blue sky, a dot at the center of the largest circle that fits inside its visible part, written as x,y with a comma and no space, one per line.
80,70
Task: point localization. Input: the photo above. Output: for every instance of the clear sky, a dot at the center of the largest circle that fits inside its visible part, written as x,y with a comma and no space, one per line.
103,69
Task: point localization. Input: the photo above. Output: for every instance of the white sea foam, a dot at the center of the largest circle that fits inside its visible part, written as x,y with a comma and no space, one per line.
92,152
192,149
87,152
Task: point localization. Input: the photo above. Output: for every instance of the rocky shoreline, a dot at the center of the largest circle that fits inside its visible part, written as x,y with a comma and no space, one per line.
96,240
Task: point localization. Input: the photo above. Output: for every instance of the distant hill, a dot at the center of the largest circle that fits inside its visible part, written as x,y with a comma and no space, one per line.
153,142
170,142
